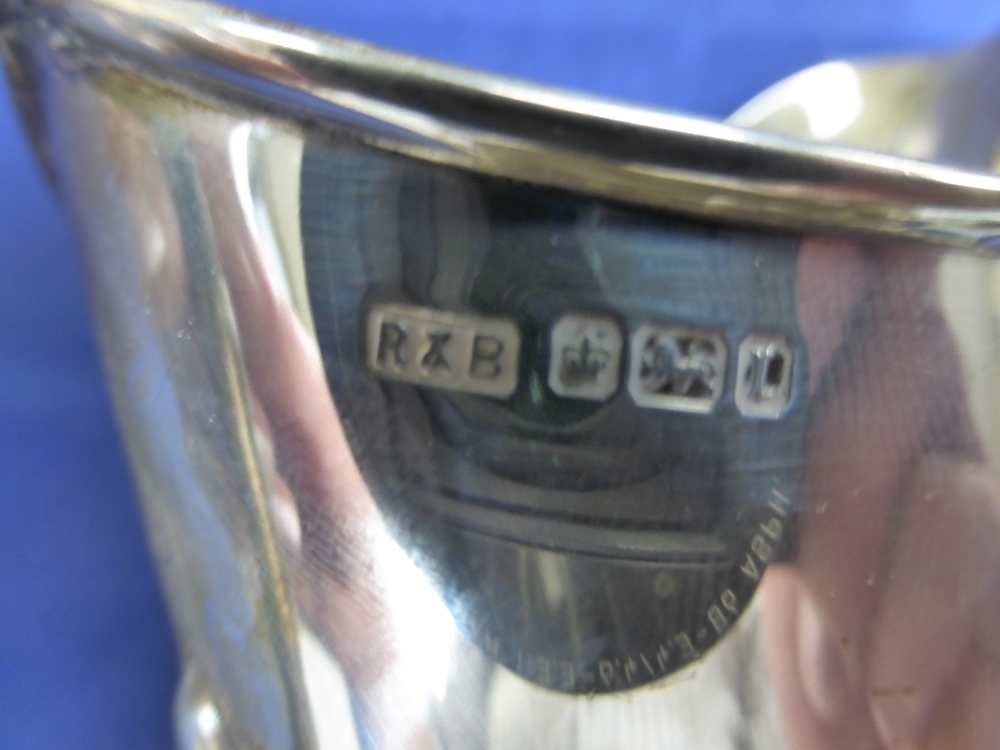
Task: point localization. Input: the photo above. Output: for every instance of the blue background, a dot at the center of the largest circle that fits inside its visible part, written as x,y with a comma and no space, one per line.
86,658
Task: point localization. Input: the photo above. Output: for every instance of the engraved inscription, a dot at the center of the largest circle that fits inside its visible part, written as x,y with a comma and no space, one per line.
760,548
679,369
569,674
435,358
544,675
684,643
763,376
630,669
719,614
730,602
607,672
389,352
780,503
750,569
585,357
487,352
647,665
663,656
718,619
443,349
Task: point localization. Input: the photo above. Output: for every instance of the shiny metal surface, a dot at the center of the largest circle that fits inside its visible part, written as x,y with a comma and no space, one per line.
777,525
513,129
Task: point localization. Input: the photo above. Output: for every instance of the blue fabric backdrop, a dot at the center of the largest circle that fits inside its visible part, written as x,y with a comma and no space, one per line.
86,659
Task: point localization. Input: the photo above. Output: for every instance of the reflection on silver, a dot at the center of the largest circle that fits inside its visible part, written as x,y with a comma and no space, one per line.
763,376
182,196
585,357
443,349
198,724
422,109
680,369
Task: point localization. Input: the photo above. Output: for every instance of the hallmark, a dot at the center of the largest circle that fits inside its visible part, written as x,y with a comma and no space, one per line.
443,349
585,357
675,368
680,369
763,376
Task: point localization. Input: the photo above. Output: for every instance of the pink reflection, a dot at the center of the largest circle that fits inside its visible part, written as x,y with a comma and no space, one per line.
884,633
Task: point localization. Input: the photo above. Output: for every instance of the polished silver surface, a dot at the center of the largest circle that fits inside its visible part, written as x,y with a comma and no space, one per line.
733,483
514,129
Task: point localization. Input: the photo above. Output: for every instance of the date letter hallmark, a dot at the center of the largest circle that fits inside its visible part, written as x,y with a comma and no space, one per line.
763,376
442,349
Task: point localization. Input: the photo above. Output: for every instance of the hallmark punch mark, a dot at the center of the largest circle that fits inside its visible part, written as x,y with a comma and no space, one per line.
585,357
442,349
